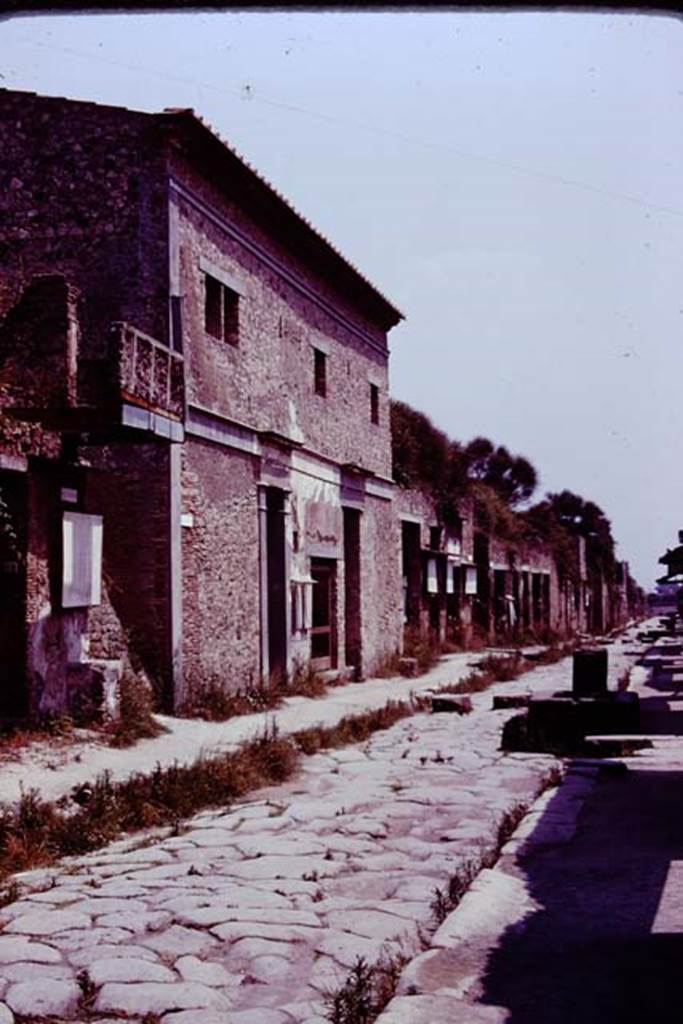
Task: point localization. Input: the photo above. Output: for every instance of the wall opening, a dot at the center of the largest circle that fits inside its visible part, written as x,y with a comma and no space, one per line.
13,636
276,570
352,598
323,628
412,572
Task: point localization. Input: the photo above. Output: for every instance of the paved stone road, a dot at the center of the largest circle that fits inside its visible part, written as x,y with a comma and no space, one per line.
581,919
260,909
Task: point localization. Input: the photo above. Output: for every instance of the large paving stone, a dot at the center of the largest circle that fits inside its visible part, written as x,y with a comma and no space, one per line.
151,921
177,941
191,968
346,949
108,951
268,968
32,972
40,998
79,938
371,924
47,922
98,906
128,969
15,949
194,1017
153,997
236,930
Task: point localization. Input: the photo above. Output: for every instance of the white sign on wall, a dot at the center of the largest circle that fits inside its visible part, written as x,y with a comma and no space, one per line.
471,579
81,560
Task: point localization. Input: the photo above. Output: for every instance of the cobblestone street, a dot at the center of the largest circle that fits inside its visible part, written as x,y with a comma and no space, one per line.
261,909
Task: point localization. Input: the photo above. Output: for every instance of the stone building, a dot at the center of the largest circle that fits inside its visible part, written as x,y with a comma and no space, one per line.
195,456
460,581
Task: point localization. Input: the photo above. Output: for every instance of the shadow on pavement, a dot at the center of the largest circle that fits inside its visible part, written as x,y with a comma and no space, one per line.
589,956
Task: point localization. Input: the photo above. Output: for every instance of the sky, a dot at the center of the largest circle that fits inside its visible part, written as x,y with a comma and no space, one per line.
512,181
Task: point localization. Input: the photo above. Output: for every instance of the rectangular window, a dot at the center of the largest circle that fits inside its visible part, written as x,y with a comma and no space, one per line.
374,403
221,310
435,538
319,372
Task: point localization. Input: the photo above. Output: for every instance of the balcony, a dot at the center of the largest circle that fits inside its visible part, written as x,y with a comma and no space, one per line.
148,374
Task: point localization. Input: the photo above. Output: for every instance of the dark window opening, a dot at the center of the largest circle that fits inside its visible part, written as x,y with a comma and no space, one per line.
435,538
221,307
374,403
319,372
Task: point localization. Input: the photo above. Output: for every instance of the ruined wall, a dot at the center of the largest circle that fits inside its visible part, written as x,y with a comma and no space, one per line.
82,192
266,381
220,568
128,484
61,642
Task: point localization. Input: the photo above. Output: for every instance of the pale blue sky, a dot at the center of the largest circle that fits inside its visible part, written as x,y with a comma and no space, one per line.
513,181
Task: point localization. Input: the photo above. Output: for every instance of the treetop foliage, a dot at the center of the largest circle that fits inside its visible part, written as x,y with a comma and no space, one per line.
500,483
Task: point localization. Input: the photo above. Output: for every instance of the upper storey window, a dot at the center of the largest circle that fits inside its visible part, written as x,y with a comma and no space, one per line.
374,403
319,372
221,310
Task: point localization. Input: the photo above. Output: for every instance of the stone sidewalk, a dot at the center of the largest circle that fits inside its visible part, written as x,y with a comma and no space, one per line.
250,915
580,919
55,768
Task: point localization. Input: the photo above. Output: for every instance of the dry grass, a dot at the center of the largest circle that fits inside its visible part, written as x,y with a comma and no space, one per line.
36,832
136,719
422,647
215,701
356,728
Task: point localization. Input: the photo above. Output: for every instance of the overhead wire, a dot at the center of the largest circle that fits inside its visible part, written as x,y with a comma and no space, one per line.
255,97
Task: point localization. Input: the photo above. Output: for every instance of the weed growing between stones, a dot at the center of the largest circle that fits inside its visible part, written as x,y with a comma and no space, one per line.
136,719
36,832
366,991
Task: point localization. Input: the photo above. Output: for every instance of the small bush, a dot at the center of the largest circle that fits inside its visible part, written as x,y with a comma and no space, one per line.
421,646
136,719
366,991
305,681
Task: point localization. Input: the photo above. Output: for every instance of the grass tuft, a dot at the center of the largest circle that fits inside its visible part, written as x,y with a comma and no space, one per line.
366,991
136,719
36,832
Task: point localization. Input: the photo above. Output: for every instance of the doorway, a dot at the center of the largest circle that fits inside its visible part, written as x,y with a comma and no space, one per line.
277,609
13,515
323,625
352,598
